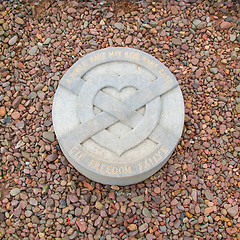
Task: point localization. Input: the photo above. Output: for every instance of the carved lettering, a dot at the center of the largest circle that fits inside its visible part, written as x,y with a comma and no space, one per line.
146,164
97,57
102,168
156,158
163,74
161,71
96,165
114,170
79,155
76,152
132,55
74,149
128,169
168,79
108,169
91,163
163,149
149,62
78,68
115,53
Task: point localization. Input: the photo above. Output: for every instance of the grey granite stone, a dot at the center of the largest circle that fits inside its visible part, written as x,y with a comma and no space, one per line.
118,115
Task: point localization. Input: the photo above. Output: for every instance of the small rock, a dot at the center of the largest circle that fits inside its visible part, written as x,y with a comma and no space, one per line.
20,65
214,70
233,55
233,211
28,213
2,111
49,136
5,26
19,21
119,26
35,219
39,87
50,203
143,227
93,42
13,40
73,198
209,195
197,146
222,129
202,25
186,118
33,202
238,88
177,41
238,108
196,22
174,10
232,37
163,228
45,189
132,227
128,39
33,50
32,95
146,212
2,217
109,15
85,210
78,212
225,25
17,101
194,195
82,226
51,157
174,202
71,10
194,61
41,48
47,41
138,199
45,60
15,191
98,205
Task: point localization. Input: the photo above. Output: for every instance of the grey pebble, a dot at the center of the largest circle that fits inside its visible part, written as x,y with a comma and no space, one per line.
33,50
13,40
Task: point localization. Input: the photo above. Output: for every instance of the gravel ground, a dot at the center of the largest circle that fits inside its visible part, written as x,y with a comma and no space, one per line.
194,196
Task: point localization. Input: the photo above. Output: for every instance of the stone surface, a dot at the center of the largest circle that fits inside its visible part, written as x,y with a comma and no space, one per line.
130,122
212,122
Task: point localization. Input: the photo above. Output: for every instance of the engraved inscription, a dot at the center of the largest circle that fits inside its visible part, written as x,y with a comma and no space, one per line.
78,68
163,74
156,158
110,169
115,53
149,62
97,57
131,55
77,153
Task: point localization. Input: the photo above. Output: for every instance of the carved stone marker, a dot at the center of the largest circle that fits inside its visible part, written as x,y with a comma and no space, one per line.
118,115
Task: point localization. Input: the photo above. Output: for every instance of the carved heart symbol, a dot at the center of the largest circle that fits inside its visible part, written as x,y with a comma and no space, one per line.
142,126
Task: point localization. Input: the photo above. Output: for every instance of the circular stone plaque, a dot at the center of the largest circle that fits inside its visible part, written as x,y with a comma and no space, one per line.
118,115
